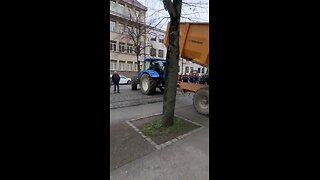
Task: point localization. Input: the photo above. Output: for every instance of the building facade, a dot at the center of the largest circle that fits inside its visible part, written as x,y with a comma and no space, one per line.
155,47
186,67
126,16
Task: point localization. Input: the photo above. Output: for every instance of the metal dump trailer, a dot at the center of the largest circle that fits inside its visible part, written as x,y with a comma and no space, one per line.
194,46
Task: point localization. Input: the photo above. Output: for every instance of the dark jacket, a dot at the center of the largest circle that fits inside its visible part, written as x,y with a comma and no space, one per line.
191,78
185,78
115,78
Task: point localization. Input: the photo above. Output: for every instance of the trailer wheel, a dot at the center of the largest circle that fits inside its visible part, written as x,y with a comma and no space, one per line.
147,84
134,83
201,101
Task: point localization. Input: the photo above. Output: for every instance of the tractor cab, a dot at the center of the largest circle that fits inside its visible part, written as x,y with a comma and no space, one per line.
154,63
155,67
152,76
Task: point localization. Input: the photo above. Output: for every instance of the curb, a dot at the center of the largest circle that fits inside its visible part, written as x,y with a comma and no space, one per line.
135,104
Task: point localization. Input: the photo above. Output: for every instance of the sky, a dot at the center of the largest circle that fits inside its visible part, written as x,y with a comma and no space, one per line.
195,11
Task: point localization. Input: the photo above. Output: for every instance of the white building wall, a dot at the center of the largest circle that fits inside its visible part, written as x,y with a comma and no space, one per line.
185,67
158,44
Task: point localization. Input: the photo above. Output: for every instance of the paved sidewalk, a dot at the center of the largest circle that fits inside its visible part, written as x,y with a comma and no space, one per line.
187,159
134,158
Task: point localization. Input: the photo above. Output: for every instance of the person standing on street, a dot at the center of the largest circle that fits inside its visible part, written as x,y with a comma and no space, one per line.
185,78
191,77
116,80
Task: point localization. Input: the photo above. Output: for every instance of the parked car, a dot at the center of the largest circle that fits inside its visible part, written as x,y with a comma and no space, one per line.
123,79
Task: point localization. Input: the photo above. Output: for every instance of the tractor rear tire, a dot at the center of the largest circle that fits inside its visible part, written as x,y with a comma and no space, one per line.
148,85
134,83
201,101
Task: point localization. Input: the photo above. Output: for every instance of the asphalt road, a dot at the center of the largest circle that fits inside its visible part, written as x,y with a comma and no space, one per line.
128,97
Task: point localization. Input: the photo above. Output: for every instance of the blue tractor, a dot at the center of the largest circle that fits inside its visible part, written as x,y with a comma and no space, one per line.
152,76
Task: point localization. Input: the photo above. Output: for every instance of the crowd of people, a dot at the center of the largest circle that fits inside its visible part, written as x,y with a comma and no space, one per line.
194,78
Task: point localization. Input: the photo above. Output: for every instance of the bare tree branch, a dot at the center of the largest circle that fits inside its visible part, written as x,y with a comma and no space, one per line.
156,11
194,3
154,27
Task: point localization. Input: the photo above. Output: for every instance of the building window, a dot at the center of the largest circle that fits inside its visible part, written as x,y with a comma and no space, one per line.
161,39
112,5
112,26
153,37
113,65
121,8
191,69
142,16
122,65
187,70
113,45
129,12
129,66
134,14
202,70
130,29
160,54
138,13
199,70
134,49
121,47
121,28
153,52
135,30
130,48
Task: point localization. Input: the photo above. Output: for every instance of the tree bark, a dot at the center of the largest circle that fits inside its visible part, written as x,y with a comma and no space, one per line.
172,61
138,62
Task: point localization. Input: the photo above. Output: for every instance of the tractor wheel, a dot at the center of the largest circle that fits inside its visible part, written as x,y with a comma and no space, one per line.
134,83
201,101
147,84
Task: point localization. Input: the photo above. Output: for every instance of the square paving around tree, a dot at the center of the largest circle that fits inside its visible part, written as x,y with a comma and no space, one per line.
166,138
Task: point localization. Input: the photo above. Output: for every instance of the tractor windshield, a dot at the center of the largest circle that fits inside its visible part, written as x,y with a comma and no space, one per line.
146,65
161,66
158,66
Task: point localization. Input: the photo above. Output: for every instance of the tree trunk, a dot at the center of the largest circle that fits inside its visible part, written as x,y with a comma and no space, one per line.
138,63
172,61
